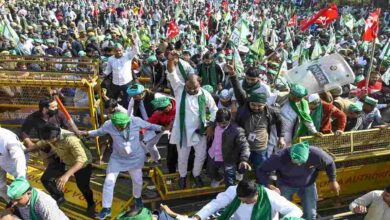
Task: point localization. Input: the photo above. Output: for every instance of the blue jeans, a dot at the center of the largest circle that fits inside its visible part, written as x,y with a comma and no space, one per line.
308,196
229,171
257,158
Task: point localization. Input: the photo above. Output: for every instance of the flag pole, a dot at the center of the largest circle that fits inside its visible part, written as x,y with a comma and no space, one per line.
371,62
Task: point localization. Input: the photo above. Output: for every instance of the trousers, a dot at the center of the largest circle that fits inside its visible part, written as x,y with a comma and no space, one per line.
109,184
308,196
200,157
56,169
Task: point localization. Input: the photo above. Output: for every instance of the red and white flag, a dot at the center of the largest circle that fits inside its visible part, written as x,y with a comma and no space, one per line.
173,30
372,26
324,17
293,21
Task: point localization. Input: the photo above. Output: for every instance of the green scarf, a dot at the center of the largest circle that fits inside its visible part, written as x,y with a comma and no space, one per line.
33,200
208,79
182,71
202,113
303,113
249,89
261,210
316,116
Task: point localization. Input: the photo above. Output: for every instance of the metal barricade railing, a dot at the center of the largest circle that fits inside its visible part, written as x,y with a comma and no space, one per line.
80,93
352,142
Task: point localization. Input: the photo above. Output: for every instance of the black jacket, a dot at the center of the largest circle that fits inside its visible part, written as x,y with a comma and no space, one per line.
244,112
235,147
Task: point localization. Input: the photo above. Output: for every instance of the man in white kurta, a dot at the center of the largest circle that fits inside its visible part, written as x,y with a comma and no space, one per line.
278,203
128,155
12,159
191,136
378,202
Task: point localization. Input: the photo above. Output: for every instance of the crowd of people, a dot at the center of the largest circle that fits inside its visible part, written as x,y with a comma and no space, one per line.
223,101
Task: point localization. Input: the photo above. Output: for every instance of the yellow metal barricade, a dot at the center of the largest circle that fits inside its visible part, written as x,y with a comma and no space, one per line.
21,90
353,142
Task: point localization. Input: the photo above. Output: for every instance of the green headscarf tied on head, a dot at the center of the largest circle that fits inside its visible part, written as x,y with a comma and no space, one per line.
355,108
300,152
298,90
118,46
161,103
120,119
17,188
258,97
208,88
151,59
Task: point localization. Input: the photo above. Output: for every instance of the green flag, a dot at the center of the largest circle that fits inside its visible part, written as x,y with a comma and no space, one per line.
385,54
241,30
239,66
332,42
258,47
273,43
360,23
349,21
317,51
8,32
288,39
178,11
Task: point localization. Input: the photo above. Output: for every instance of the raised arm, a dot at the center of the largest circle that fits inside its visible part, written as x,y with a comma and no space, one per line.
239,93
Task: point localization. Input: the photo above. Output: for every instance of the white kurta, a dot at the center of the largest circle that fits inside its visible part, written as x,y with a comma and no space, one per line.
192,122
378,209
279,204
127,153
12,157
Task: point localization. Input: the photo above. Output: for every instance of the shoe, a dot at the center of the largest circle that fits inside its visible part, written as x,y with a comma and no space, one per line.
214,183
91,210
60,201
182,182
104,213
198,182
138,203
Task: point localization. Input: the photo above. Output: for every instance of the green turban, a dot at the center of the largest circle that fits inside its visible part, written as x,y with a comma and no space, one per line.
17,188
370,101
300,152
82,53
258,97
208,88
151,59
354,108
118,46
161,103
135,89
120,118
298,90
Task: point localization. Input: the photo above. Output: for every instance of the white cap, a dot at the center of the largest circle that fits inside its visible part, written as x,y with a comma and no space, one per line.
313,98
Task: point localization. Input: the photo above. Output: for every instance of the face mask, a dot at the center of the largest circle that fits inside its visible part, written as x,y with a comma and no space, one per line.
52,112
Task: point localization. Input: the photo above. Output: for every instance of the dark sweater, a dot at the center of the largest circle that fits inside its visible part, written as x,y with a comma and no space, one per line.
292,175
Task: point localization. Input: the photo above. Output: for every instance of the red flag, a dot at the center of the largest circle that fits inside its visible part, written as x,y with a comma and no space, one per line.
225,5
324,16
173,30
371,29
292,21
209,10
